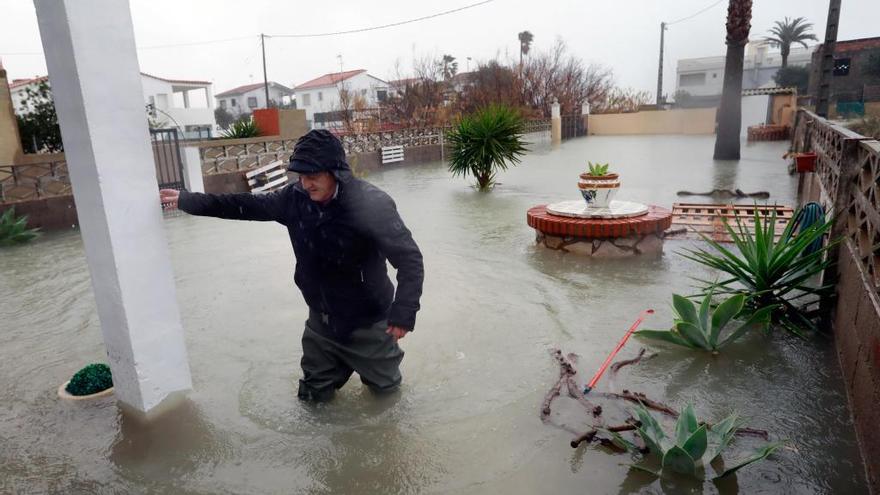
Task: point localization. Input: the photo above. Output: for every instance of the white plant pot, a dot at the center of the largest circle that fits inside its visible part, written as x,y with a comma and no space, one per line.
598,190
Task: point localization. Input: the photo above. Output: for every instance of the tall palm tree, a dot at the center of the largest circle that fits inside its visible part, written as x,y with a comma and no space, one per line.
448,67
525,42
739,18
790,31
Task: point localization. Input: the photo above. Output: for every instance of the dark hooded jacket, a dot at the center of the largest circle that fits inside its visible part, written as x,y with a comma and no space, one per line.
340,247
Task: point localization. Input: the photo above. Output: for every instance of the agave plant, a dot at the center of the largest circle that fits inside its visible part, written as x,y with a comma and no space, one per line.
692,446
768,271
598,169
705,328
14,230
486,142
245,128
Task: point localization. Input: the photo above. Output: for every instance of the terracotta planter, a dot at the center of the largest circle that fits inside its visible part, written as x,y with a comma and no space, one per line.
805,162
598,190
64,394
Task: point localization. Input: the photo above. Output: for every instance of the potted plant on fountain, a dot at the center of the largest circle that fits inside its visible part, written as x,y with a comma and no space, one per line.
598,186
91,382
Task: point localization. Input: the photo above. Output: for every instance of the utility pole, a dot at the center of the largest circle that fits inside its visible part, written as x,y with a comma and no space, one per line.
827,67
660,66
265,79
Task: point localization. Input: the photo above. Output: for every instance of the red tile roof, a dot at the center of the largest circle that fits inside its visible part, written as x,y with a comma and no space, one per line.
250,87
329,79
24,82
857,45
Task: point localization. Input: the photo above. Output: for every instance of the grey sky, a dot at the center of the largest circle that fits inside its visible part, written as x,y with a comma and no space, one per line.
622,34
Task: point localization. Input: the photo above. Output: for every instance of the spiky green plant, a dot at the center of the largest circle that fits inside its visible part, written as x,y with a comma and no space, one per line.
598,169
769,272
92,379
705,328
692,446
14,230
245,128
485,142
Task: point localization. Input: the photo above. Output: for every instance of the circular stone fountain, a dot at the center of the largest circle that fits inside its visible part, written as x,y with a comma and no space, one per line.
624,228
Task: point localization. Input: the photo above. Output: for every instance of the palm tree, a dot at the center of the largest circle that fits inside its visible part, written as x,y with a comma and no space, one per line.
790,31
485,142
739,17
525,42
448,67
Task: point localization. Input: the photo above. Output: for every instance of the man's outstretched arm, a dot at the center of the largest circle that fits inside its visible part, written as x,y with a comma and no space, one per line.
239,206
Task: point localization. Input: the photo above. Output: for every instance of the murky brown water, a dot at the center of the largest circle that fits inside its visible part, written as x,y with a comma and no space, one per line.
476,368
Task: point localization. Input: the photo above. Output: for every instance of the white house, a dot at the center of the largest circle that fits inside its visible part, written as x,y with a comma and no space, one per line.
182,104
321,95
705,76
247,98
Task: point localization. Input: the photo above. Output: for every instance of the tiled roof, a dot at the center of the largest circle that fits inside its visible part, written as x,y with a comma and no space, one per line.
16,83
329,79
857,45
250,87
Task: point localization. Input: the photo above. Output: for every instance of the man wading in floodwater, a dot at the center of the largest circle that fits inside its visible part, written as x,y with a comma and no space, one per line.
342,230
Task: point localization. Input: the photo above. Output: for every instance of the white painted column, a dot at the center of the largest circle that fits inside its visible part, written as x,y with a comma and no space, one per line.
555,123
209,95
585,114
96,83
192,170
185,99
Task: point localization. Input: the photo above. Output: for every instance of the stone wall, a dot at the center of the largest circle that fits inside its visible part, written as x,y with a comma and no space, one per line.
55,213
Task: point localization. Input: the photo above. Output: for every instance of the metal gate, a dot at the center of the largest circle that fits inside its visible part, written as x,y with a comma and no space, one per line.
573,126
166,153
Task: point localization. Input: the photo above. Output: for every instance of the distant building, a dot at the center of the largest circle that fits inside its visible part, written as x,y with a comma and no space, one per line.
247,98
320,96
854,89
183,104
704,77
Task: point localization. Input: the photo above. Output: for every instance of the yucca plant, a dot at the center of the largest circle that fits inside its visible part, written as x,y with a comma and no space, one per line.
485,142
598,169
14,230
705,328
692,446
769,272
245,128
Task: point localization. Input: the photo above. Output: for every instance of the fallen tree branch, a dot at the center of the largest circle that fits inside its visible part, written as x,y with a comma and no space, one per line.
727,193
626,362
590,435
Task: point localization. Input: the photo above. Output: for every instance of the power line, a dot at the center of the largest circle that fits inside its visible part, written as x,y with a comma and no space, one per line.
383,26
694,14
315,35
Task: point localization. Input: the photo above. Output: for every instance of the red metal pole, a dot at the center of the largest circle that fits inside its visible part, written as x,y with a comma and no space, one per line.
616,350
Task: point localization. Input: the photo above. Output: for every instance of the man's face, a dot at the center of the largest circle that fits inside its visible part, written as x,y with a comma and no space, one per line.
320,186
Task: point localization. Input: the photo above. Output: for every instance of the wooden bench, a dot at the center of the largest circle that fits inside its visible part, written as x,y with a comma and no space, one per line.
391,154
268,177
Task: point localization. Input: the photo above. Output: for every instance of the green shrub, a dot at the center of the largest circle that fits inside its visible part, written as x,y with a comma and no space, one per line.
868,127
92,379
693,445
14,230
704,328
769,272
485,142
246,128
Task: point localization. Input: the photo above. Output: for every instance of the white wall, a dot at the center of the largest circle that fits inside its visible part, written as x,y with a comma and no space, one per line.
275,93
754,111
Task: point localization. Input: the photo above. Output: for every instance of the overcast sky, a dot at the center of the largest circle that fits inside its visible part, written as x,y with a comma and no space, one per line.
622,34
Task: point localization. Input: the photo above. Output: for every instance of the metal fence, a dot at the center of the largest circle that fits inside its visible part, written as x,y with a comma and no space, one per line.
46,176
573,126
166,154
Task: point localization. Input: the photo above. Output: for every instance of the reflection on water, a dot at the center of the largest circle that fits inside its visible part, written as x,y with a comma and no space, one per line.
476,370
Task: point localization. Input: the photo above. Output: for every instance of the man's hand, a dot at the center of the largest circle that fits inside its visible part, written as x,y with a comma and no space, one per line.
396,332
169,198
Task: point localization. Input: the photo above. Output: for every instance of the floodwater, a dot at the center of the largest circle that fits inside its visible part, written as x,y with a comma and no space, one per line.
476,368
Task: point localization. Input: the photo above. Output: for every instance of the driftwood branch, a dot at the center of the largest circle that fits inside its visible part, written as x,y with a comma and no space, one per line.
626,362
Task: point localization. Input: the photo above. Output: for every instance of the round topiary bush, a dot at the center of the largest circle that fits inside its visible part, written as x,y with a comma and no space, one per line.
90,380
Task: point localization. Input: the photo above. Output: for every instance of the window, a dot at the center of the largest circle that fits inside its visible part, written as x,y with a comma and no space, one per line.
692,79
252,102
841,66
714,75
223,104
320,96
233,102
307,99
381,94
363,92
